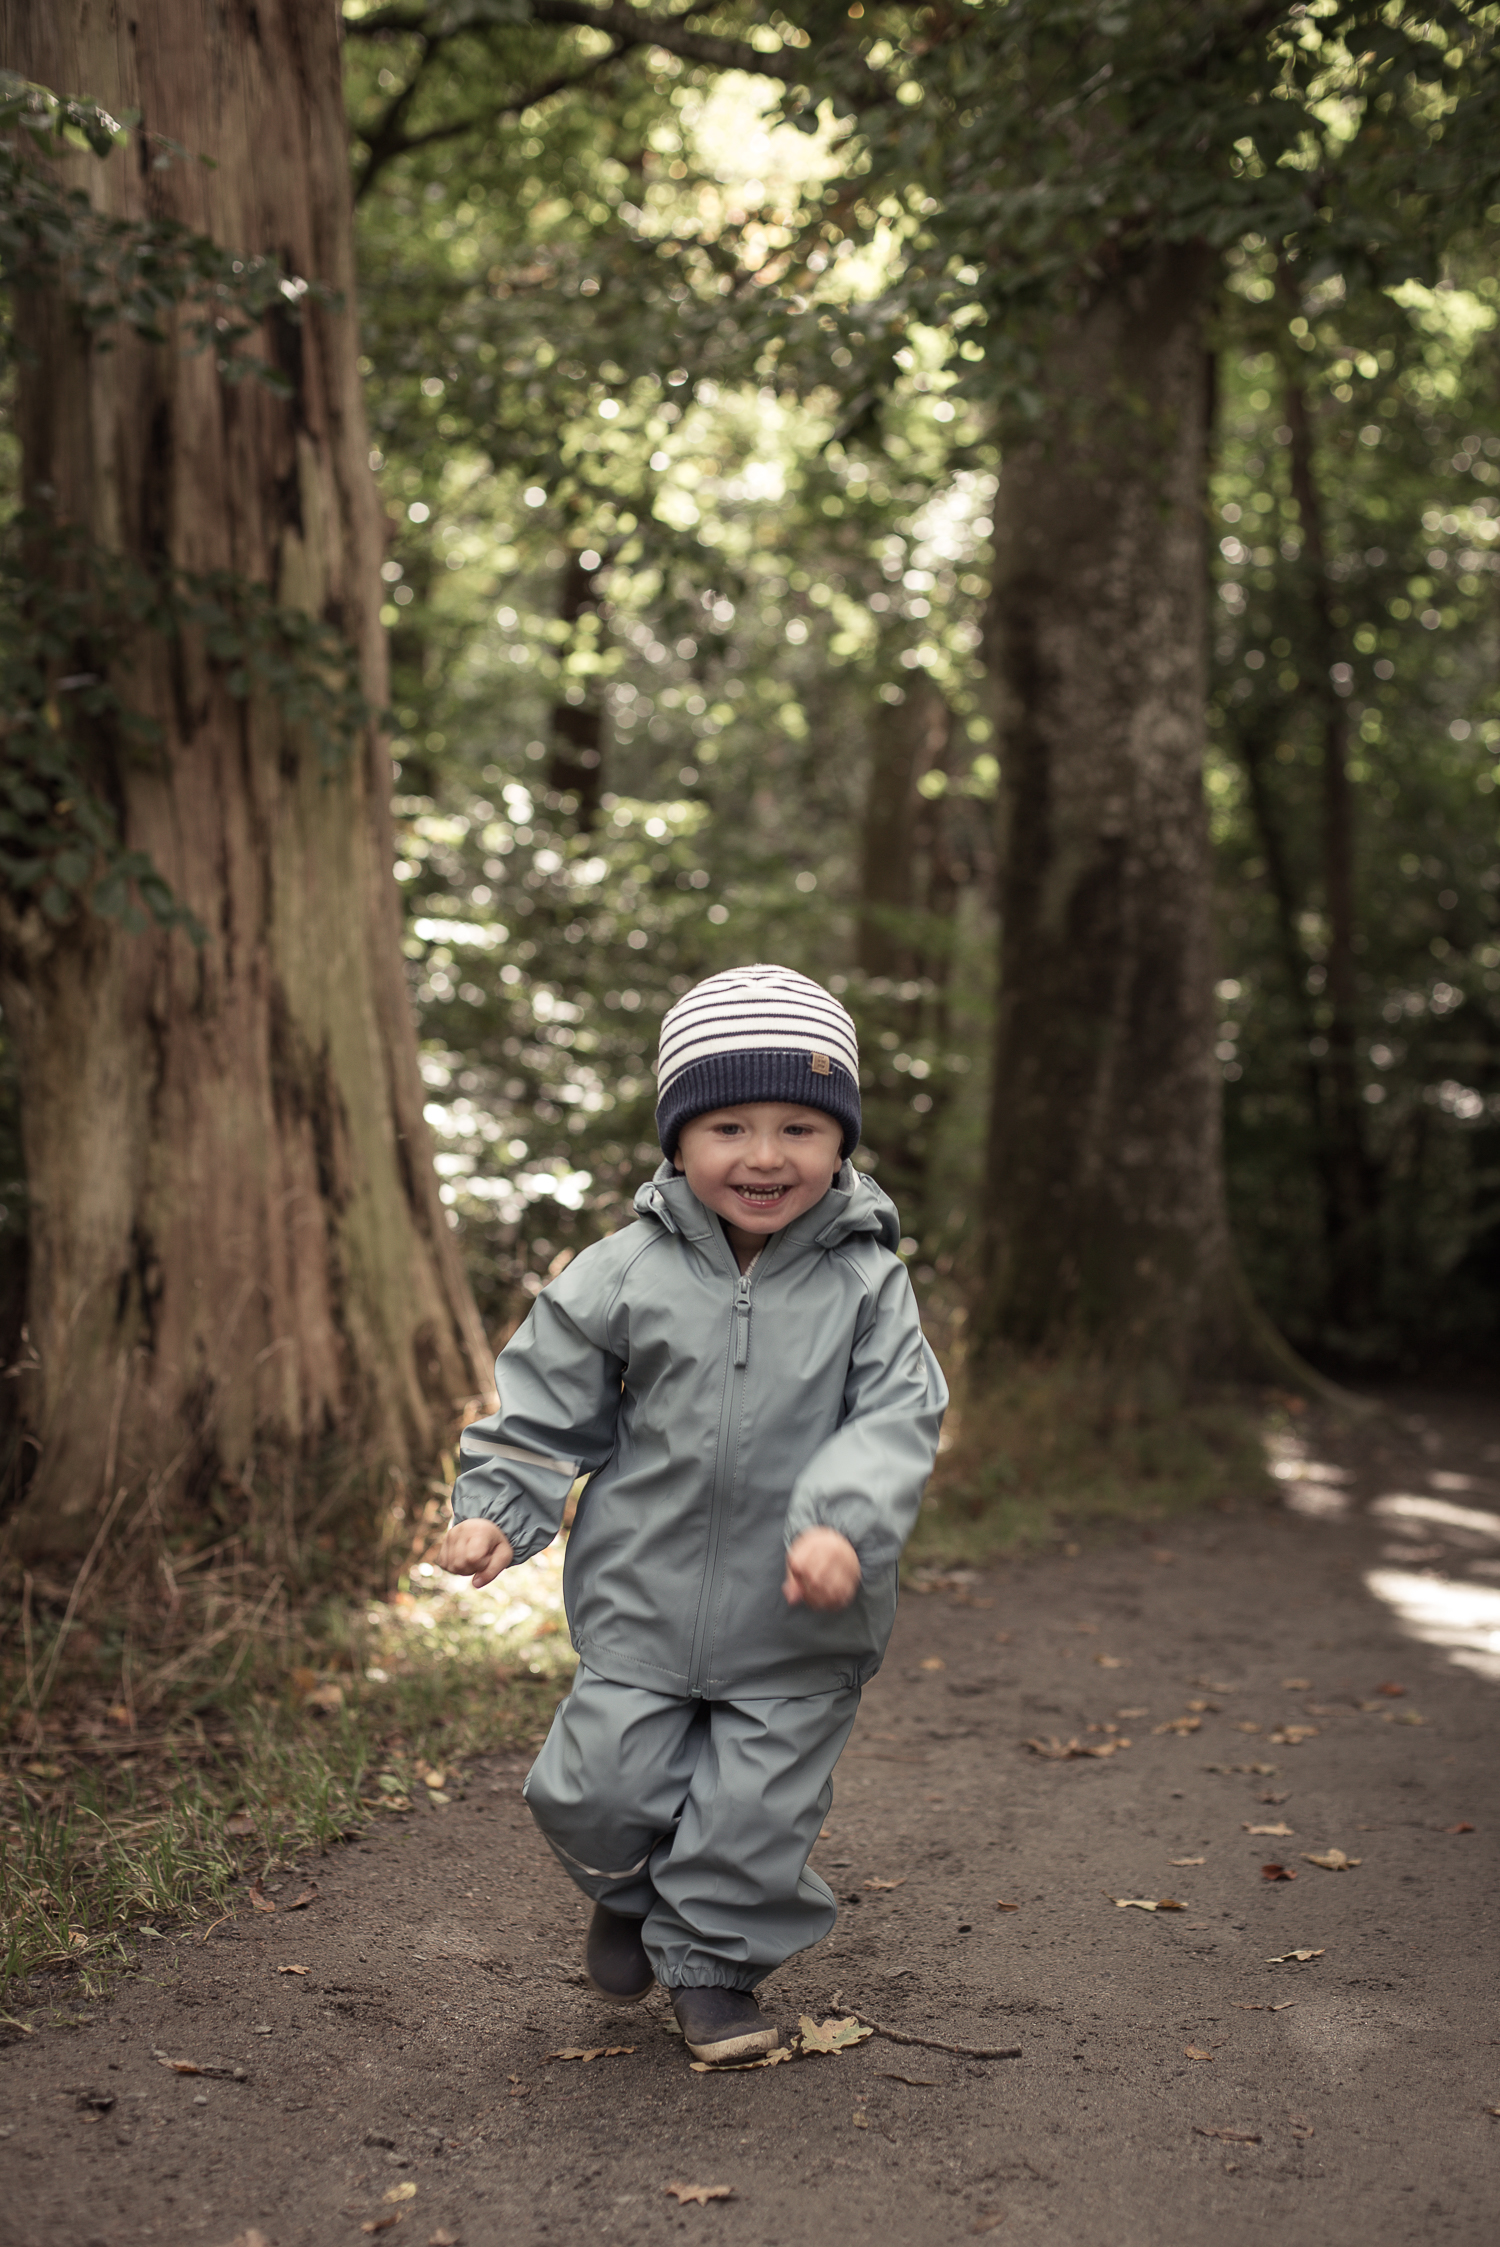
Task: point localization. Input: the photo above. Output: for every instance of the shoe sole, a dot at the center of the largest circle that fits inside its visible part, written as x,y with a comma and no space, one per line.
620,1997
753,2045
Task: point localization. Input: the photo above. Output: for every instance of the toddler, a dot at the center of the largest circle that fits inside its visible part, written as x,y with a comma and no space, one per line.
743,1378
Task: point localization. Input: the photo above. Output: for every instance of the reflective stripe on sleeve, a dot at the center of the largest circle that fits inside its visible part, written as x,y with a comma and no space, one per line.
482,1444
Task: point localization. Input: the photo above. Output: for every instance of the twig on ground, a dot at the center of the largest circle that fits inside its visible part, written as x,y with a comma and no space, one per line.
936,2044
203,1938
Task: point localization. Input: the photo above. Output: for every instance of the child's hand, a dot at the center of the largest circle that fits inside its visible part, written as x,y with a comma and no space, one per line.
822,1570
477,1549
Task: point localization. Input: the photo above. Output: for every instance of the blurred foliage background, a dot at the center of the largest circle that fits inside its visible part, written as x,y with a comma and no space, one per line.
677,584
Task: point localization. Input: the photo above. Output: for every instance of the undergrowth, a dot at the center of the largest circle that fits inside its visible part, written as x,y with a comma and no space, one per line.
1050,1453
174,1758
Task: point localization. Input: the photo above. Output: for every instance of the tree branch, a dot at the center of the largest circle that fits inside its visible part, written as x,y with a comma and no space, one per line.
632,27
385,147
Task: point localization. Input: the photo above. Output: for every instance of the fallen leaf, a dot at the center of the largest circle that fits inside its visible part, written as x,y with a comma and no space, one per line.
1293,1958
1300,2128
703,2194
1230,2137
1200,1708
179,2067
1281,1831
832,2035
250,2238
1274,1799
901,1883
1296,1685
597,2052
303,1680
1062,1751
1148,1903
1179,1862
1280,2005
259,1898
381,2223
1163,1560
300,1903
442,2238
861,2121
1132,1712
1002,1906
431,1776
1195,2052
1293,1735
1179,1724
1463,1826
1331,1860
733,2067
988,2222
1105,1662
240,1824
1278,1872
1391,1690
1246,1725
407,2191
327,1700
933,1662
291,1969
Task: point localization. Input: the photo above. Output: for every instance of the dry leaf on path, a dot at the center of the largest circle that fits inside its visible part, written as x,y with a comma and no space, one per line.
381,2223
1179,1724
1281,1831
1391,1690
861,2121
398,2193
901,1883
1293,1958
1463,1826
933,1662
1147,1903
300,1903
738,2067
443,2238
250,2238
239,1825
291,1969
1296,1685
1259,2005
1063,1751
832,2035
703,2194
1230,2137
1195,2052
1180,1862
259,1898
1293,1735
1278,1872
1331,1860
1002,1906
1108,1662
597,2052
988,2221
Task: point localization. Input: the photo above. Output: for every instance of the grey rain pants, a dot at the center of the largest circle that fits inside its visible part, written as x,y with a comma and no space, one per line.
696,1817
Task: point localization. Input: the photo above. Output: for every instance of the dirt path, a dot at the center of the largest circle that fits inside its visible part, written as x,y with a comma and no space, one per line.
442,1954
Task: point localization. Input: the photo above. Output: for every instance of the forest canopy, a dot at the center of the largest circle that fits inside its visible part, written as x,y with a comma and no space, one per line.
995,505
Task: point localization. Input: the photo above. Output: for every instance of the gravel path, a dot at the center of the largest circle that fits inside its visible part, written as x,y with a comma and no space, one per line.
1172,2082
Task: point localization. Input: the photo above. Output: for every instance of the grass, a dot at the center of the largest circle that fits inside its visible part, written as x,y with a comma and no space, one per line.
1053,1453
174,1759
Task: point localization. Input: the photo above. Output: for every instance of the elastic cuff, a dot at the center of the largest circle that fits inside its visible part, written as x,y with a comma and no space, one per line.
712,1978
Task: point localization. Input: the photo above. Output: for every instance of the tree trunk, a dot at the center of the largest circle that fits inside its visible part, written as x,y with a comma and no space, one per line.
239,1257
1106,1229
907,739
1351,1187
576,764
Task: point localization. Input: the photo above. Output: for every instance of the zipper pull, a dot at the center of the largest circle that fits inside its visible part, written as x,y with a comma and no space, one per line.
742,1322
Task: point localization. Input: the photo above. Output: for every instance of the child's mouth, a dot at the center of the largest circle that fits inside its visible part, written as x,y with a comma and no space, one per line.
762,1197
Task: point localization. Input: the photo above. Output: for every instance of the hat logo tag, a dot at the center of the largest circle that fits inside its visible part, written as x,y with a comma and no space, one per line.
821,1065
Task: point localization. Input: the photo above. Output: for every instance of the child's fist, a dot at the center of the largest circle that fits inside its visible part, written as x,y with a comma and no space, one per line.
822,1570
477,1549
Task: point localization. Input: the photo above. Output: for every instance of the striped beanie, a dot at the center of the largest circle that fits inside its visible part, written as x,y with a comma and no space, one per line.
756,1033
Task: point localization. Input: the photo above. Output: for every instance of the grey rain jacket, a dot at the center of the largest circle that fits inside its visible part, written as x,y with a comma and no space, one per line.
717,1416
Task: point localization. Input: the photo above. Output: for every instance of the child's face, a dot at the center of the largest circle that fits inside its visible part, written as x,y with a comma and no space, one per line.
762,1165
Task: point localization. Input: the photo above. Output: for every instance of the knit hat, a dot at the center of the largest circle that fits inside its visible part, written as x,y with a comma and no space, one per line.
756,1033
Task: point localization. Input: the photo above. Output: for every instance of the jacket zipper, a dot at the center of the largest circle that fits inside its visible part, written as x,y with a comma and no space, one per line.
739,1359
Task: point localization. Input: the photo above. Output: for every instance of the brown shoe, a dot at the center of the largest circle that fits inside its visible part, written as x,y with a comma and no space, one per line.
719,2025
614,1957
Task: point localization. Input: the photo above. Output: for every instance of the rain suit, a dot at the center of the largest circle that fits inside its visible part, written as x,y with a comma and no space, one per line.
717,1415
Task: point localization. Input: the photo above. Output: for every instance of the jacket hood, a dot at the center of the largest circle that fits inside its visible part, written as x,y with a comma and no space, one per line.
854,1205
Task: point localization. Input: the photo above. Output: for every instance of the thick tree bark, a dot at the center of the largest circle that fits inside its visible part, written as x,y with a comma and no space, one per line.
1351,1187
906,740
239,1257
1106,1226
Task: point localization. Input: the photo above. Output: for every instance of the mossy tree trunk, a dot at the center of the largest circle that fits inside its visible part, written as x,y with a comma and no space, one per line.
239,1259
1106,1229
